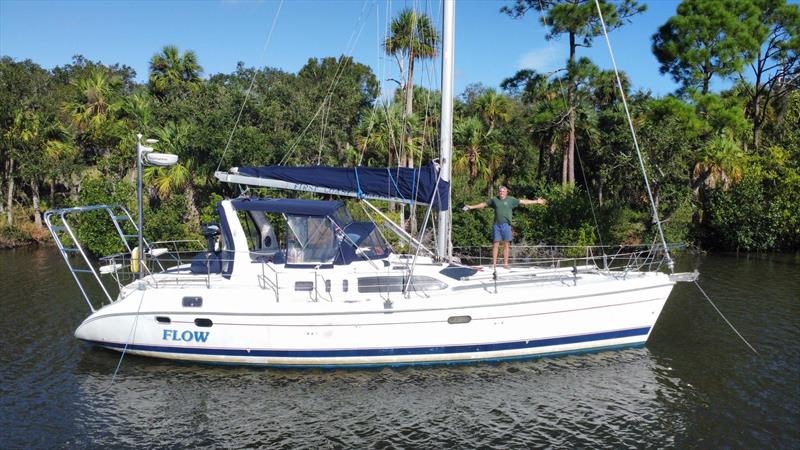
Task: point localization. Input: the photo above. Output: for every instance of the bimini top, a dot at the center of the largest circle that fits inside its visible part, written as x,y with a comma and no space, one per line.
288,206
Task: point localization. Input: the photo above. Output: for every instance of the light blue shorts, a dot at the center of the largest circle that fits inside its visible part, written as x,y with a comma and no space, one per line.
501,232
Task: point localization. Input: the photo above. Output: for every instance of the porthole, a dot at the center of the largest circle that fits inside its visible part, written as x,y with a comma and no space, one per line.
454,320
203,322
164,320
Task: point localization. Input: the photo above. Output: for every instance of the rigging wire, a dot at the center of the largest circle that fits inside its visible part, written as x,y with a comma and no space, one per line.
430,71
351,43
382,73
670,263
252,83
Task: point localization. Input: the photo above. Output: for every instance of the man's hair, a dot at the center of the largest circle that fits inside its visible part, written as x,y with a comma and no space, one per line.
502,187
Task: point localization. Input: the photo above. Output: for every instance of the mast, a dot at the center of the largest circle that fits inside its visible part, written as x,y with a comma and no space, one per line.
446,144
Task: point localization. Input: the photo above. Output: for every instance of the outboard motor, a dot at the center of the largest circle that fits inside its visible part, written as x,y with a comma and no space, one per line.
210,232
208,262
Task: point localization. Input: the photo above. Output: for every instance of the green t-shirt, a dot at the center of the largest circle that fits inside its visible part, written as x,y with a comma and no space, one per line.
502,208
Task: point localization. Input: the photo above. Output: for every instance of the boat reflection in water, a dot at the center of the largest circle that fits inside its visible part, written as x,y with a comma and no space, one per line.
602,399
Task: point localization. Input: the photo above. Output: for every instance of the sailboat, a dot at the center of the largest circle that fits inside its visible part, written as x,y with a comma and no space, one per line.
331,291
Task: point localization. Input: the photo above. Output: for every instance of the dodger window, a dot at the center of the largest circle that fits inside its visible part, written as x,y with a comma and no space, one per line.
310,240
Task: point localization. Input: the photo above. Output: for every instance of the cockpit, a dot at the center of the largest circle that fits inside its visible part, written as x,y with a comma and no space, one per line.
297,233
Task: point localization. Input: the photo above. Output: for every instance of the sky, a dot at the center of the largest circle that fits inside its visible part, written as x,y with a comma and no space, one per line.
490,46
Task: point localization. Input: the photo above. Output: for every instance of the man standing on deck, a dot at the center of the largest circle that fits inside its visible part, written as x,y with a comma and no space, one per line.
503,206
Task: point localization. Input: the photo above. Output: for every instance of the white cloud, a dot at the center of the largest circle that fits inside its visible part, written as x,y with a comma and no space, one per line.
543,60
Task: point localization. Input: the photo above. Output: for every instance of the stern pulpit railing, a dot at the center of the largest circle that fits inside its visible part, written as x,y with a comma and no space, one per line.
67,241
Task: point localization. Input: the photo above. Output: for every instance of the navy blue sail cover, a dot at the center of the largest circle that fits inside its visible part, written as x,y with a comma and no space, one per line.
299,207
405,184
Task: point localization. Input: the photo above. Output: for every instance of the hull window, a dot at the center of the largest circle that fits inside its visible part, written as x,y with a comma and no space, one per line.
454,320
397,283
203,322
304,286
164,320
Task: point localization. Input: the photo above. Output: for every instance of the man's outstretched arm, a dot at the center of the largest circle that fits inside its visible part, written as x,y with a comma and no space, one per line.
538,201
478,206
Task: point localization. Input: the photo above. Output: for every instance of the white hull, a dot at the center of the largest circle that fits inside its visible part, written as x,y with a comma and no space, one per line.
525,318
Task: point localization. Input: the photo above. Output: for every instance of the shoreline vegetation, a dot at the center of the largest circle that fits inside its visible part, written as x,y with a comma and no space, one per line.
724,166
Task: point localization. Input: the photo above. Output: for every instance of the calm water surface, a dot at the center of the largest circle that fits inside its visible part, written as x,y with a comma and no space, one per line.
694,385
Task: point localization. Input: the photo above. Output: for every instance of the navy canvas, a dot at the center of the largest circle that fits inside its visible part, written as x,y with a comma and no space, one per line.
296,207
401,183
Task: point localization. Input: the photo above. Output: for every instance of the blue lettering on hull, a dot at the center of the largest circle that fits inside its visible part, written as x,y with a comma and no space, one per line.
184,336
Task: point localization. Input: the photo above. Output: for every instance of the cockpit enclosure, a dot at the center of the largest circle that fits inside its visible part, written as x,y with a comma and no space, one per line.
304,232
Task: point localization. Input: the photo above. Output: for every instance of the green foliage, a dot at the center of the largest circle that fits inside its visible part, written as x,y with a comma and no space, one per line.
95,229
576,17
172,73
761,212
72,130
707,38
208,214
166,223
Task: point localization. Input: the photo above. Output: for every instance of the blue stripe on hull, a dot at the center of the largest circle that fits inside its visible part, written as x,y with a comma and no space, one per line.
406,351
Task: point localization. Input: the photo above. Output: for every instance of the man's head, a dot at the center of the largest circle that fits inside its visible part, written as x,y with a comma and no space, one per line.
502,192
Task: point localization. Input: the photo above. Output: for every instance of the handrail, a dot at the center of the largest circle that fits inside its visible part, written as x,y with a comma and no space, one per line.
56,230
605,258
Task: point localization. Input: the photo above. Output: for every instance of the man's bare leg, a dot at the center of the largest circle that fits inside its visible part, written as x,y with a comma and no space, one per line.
495,247
506,249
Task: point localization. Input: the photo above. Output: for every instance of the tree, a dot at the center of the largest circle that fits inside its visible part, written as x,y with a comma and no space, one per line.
336,92
172,72
413,37
174,138
469,138
23,96
94,111
776,67
579,21
493,107
707,38
547,114
95,103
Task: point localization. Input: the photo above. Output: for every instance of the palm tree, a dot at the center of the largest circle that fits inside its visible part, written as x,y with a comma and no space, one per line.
469,137
721,165
28,133
413,37
174,138
170,70
380,133
95,103
493,107
138,108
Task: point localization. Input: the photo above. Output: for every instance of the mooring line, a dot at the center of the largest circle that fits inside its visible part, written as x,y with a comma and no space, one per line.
724,318
131,336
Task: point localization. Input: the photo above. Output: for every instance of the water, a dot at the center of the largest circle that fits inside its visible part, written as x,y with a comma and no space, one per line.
694,385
